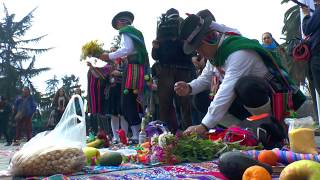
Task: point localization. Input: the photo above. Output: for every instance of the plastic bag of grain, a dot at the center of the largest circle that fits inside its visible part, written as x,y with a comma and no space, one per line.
54,152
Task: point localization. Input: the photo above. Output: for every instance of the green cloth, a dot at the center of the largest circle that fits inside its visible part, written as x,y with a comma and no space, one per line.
138,41
270,59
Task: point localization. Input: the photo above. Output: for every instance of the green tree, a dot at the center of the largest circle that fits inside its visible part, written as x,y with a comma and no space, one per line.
52,85
292,32
17,56
47,98
69,83
292,27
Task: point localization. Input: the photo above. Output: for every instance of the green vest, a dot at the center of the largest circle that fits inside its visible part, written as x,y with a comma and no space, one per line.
270,59
138,42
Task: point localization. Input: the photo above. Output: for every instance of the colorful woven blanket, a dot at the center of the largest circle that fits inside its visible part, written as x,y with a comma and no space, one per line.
203,171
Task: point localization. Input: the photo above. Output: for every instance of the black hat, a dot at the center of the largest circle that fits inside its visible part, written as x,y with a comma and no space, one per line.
172,11
122,15
205,13
193,30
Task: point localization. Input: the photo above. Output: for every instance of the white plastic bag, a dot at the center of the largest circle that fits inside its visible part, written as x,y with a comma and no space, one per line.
56,151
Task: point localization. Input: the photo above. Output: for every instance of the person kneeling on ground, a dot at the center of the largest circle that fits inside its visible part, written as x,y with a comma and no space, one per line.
243,65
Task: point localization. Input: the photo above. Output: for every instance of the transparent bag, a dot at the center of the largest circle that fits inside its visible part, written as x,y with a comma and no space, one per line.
301,135
56,151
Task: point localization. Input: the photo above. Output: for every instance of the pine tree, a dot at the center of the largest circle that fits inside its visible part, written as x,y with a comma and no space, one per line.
17,57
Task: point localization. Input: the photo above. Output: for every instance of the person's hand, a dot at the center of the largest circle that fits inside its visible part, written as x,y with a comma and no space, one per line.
155,44
116,73
305,11
182,88
89,64
104,57
197,129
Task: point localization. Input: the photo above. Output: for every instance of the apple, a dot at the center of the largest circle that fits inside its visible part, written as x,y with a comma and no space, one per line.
92,154
303,169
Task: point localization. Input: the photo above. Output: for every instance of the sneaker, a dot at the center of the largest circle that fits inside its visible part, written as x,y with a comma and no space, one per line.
8,144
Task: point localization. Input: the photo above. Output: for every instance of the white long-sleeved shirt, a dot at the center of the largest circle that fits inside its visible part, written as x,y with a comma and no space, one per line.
238,64
126,48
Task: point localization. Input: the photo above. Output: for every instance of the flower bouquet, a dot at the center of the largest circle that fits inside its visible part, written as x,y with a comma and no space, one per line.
91,49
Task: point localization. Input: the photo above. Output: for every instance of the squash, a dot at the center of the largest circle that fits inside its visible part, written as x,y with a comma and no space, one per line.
233,164
111,159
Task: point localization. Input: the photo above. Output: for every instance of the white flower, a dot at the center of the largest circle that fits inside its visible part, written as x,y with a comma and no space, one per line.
162,140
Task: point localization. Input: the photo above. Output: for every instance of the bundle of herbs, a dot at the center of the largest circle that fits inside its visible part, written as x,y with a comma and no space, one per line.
172,149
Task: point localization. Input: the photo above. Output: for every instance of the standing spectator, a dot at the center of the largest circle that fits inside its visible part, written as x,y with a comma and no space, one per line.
311,28
175,66
96,95
269,43
154,99
5,113
59,104
24,108
114,99
78,108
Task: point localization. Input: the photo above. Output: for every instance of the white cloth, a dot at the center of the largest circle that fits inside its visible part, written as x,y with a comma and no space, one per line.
115,126
238,64
124,124
126,48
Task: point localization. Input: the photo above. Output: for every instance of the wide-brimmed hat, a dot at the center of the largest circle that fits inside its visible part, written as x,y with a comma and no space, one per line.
206,13
125,15
193,30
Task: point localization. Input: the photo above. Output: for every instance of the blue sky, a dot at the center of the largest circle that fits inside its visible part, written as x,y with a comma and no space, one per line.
71,23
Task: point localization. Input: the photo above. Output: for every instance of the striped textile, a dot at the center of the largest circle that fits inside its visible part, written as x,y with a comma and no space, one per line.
135,77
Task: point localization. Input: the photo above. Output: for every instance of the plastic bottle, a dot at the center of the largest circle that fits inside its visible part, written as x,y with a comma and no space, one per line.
142,134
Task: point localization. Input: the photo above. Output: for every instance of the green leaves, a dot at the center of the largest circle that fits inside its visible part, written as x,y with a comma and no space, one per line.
195,149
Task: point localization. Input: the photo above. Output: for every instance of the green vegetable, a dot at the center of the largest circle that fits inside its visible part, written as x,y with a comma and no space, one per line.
195,149
111,159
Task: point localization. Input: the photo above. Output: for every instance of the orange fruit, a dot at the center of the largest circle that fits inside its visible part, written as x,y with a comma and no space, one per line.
268,157
256,173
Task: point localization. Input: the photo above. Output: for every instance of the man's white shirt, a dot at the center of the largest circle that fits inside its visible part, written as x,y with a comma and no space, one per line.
238,64
126,48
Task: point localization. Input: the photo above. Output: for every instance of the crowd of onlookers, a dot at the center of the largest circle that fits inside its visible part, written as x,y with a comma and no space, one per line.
22,118
16,119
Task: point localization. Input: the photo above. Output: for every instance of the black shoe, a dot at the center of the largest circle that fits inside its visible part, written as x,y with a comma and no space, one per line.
8,144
